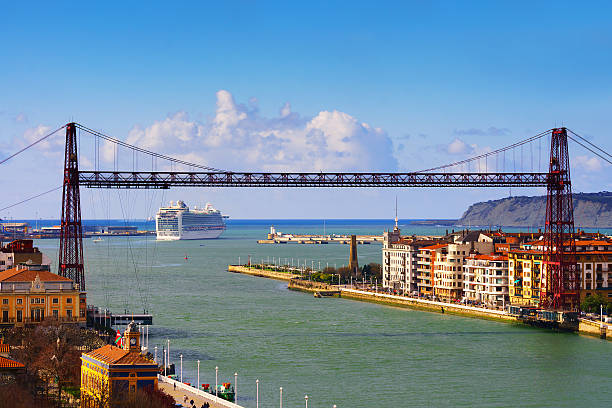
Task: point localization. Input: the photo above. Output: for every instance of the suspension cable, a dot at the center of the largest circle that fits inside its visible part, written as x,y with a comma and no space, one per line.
31,198
503,149
31,145
141,150
588,142
591,150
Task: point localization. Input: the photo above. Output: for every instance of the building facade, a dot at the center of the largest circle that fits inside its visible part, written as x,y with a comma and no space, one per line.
21,251
485,280
30,294
400,258
112,374
426,266
527,269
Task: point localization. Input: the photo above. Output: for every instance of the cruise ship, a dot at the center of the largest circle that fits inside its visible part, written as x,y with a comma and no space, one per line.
177,221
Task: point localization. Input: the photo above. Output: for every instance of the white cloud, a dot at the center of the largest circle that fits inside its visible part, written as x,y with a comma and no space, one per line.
239,138
49,145
458,146
590,164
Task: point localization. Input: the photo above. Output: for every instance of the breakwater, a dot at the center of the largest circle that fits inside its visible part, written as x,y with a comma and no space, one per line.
264,273
427,305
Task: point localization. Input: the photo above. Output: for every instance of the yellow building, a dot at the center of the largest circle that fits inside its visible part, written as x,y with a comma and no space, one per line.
111,374
30,294
594,260
524,276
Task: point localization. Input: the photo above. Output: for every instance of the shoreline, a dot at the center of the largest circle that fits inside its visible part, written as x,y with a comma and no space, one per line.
585,327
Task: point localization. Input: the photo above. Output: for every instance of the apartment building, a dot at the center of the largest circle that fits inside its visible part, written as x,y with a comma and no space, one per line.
448,265
21,251
426,266
526,270
485,279
400,262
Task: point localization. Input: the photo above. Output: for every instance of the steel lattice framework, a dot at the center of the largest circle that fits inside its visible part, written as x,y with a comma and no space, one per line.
71,235
560,280
101,179
559,285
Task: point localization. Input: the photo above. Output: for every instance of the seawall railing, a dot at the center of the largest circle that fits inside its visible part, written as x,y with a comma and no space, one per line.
207,396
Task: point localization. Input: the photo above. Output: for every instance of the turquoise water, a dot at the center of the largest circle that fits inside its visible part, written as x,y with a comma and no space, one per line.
336,351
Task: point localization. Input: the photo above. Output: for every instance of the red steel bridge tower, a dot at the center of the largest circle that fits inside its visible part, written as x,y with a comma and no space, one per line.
560,284
71,261
559,280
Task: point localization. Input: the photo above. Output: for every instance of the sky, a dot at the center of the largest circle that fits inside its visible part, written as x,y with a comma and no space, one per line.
298,86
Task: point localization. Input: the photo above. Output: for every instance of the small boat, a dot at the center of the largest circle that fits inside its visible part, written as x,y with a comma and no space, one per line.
186,258
97,239
317,295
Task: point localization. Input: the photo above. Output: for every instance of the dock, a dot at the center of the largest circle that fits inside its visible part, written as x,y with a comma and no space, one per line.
277,237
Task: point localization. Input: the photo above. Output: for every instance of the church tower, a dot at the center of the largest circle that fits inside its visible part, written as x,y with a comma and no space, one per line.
132,337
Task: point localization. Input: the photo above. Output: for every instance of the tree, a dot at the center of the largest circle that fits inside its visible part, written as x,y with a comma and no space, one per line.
592,303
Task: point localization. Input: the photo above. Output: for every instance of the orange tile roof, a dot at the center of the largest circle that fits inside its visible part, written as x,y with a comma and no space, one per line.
29,275
433,247
110,354
9,363
488,257
593,242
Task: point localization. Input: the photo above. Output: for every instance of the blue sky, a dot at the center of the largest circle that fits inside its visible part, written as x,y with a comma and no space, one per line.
432,81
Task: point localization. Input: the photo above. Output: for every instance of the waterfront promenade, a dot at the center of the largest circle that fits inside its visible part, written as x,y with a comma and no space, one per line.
585,326
198,397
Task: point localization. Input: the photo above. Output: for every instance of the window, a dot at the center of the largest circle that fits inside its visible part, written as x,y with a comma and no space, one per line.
68,313
55,313
19,301
587,267
5,316
68,300
5,301
55,301
19,315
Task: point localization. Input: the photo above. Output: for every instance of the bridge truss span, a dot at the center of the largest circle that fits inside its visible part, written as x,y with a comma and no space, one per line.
164,180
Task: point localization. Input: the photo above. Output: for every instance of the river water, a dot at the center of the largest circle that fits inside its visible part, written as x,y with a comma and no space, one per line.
336,351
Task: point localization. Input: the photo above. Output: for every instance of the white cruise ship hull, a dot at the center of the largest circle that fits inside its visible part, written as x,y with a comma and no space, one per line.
173,236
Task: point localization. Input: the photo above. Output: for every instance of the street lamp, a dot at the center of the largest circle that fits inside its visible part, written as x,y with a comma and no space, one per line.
306,398
236,388
181,356
216,381
168,354
165,363
155,359
198,375
257,394
281,397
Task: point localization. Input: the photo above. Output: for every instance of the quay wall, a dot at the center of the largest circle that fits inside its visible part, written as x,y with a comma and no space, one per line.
586,327
284,276
592,328
309,286
427,305
212,399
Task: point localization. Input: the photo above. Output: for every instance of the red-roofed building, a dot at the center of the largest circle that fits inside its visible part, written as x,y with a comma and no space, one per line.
527,269
9,368
400,261
21,251
113,373
30,294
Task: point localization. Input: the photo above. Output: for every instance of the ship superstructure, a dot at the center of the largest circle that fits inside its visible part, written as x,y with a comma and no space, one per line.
177,221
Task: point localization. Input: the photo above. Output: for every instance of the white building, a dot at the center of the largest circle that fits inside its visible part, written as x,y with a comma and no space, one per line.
485,279
399,260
